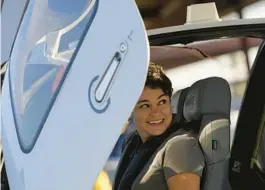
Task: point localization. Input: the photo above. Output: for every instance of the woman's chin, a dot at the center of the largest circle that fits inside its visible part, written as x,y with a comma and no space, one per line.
156,131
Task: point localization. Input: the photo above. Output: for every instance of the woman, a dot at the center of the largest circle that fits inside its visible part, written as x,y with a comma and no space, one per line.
160,155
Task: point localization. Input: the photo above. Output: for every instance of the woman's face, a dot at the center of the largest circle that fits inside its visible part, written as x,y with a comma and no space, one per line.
152,114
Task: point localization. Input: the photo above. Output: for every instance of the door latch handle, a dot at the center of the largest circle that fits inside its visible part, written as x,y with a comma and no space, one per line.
101,86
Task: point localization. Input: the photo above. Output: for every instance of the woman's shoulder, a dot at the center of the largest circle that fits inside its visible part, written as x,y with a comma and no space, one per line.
182,139
182,135
183,154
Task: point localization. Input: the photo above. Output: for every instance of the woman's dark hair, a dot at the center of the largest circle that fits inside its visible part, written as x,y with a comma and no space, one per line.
156,78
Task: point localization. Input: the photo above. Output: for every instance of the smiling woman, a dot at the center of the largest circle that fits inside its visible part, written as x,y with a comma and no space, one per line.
160,154
152,114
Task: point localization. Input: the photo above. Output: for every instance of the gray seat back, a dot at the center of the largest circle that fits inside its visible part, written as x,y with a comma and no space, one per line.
177,102
209,101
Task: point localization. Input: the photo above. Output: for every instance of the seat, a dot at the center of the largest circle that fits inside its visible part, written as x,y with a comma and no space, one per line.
177,102
209,101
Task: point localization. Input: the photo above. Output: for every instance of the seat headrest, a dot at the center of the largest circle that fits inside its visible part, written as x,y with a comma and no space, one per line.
177,103
210,96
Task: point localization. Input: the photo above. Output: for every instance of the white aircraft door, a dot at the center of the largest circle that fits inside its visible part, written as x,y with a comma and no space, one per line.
75,73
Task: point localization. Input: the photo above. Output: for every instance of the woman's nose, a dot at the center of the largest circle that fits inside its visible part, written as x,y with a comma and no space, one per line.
154,111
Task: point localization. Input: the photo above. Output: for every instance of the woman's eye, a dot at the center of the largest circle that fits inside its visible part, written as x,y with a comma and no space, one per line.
144,106
163,102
